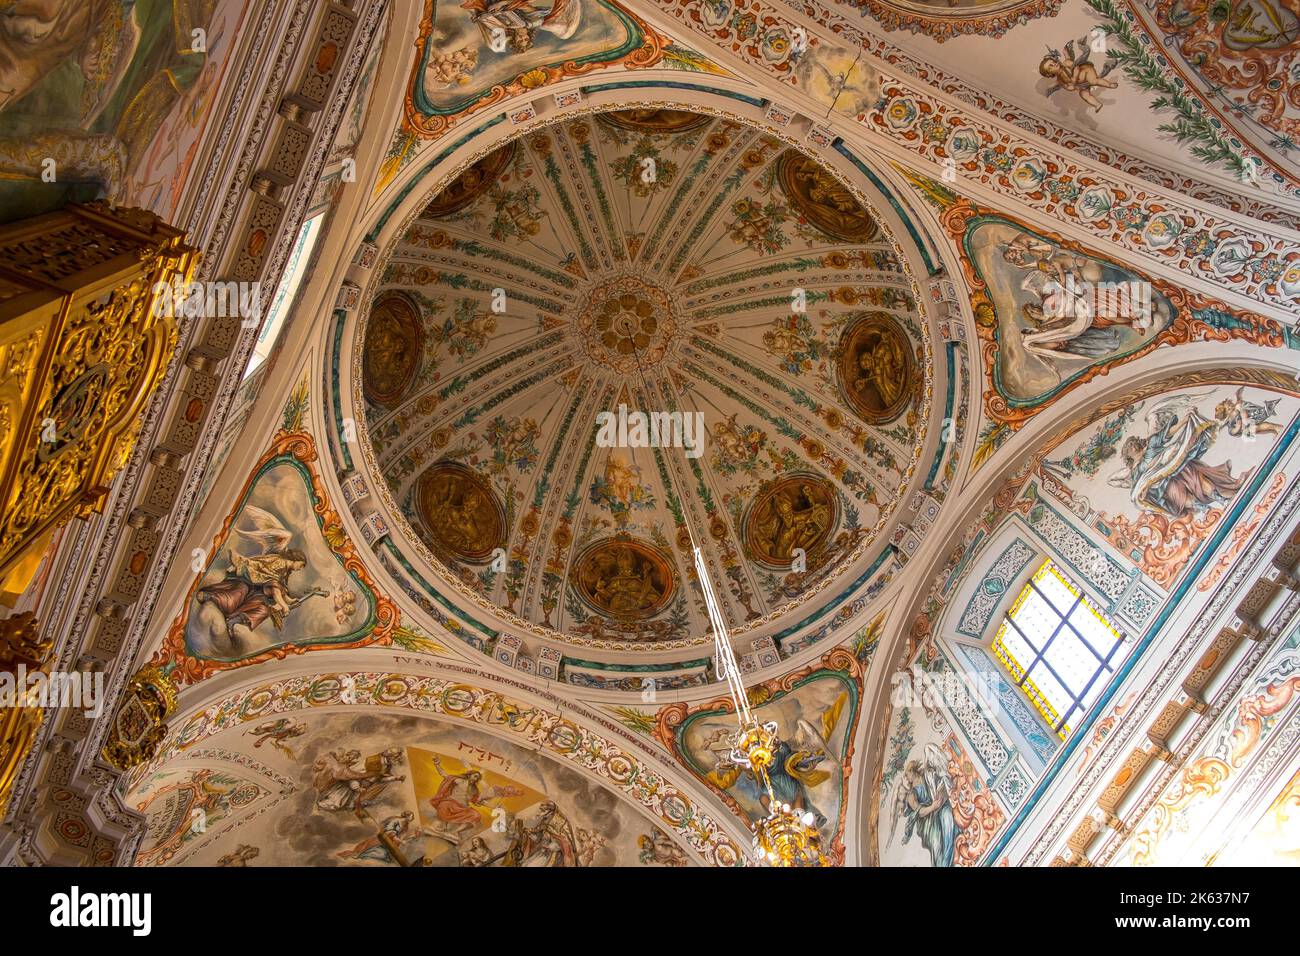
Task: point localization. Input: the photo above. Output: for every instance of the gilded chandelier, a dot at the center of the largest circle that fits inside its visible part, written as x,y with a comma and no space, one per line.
787,836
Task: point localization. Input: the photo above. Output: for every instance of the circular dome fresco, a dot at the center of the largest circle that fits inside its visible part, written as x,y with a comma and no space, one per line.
625,331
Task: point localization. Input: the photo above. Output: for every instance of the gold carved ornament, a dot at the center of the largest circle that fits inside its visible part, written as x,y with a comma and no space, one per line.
20,646
84,342
140,724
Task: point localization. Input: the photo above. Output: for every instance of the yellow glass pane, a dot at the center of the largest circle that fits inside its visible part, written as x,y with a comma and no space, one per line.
1012,651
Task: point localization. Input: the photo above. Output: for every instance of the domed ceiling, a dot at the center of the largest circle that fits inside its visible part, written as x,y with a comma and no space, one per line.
683,267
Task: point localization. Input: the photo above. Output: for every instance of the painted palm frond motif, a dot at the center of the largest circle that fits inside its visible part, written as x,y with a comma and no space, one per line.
1191,125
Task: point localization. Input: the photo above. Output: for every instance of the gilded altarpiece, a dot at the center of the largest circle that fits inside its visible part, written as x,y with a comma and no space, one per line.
83,344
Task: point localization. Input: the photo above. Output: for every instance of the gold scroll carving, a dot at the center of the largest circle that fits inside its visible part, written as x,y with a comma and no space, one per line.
82,347
22,652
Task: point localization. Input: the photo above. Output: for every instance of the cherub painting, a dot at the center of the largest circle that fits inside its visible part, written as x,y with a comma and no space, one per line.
657,848
240,856
450,68
1161,475
736,447
469,47
1058,311
621,488
1241,417
1075,73
1164,470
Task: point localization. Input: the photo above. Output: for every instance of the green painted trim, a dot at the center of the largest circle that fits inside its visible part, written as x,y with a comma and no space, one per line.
436,594
636,668
912,231
373,234
672,85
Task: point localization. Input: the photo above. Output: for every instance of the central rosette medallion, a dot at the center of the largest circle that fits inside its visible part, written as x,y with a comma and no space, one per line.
625,322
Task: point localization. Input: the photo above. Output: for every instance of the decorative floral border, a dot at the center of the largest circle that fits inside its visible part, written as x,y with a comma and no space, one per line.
1041,124
1247,258
301,448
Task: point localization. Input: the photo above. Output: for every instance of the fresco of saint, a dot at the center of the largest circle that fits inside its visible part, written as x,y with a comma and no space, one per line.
516,22
818,196
274,579
35,38
627,591
1161,472
396,827
461,512
806,769
342,785
547,840
93,83
875,367
882,367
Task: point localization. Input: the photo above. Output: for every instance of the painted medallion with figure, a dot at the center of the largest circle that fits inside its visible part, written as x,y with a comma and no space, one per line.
461,511
798,513
394,340
822,199
624,578
473,182
876,368
654,121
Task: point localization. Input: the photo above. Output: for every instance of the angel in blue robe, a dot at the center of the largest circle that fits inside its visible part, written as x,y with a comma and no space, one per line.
923,800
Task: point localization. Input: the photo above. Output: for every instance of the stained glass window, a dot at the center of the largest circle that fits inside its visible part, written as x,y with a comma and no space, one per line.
1058,647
